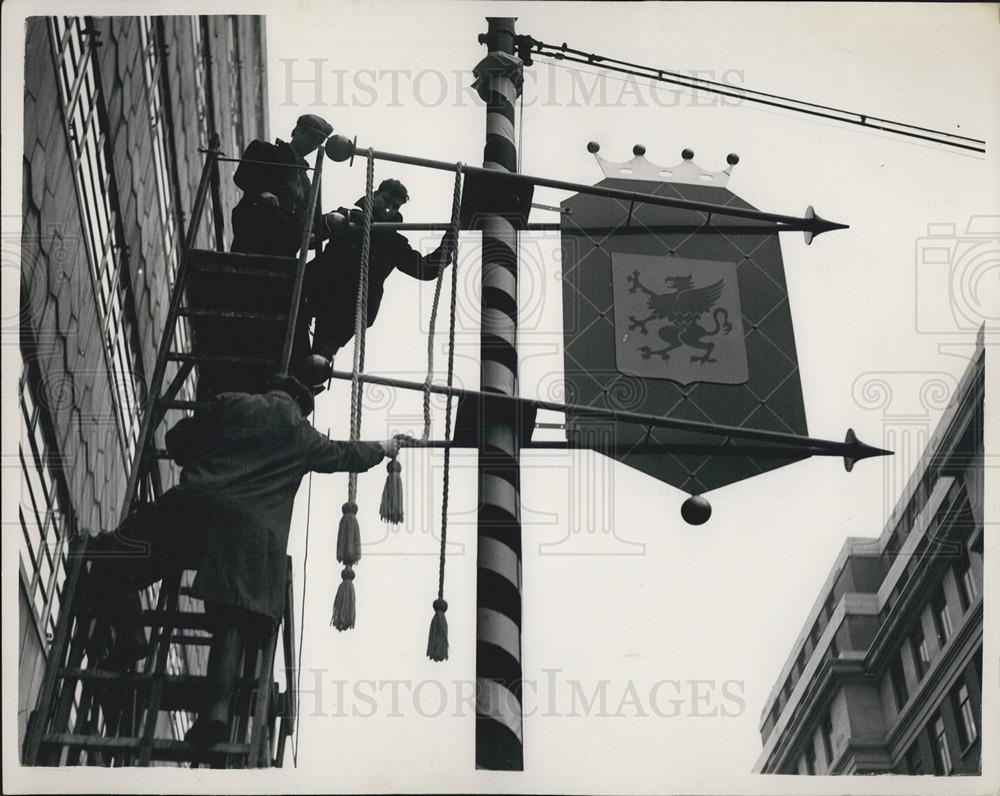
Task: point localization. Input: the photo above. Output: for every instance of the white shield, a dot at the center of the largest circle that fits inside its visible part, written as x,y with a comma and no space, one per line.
678,319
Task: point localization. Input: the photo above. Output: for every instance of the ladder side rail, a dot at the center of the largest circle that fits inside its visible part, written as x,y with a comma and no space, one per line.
258,757
161,654
242,704
37,726
166,338
218,216
300,267
288,647
172,389
86,724
67,693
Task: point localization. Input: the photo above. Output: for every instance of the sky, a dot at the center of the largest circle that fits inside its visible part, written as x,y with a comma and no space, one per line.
683,629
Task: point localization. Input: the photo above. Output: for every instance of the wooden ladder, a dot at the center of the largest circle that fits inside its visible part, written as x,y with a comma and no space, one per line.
88,716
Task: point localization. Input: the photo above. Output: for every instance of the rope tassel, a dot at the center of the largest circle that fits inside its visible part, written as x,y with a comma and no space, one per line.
391,509
437,638
349,535
344,603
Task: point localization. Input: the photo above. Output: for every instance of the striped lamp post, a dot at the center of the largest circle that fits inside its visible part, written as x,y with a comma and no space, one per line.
499,722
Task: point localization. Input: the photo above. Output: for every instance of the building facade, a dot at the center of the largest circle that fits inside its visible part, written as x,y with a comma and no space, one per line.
116,110
886,676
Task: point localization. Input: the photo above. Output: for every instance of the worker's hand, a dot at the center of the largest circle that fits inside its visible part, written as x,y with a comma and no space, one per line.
392,446
269,199
448,243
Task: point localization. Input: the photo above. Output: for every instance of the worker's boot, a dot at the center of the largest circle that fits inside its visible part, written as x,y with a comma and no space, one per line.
129,643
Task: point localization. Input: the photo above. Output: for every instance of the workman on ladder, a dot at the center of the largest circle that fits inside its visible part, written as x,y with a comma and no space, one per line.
274,179
332,277
243,457
269,219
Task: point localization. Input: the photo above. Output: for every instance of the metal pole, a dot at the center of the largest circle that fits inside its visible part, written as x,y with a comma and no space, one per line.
300,264
811,223
733,434
644,229
499,715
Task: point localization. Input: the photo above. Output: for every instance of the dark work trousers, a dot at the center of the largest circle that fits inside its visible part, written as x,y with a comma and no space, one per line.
155,541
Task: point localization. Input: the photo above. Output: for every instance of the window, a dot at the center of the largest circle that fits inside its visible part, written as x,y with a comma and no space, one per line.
826,730
967,731
151,68
942,757
93,178
200,80
914,759
898,680
921,655
201,84
235,85
828,608
810,759
942,622
967,589
45,525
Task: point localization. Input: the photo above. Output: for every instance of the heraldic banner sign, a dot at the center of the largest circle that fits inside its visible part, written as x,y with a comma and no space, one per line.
667,312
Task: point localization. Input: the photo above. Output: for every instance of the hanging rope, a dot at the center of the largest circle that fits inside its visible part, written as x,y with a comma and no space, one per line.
349,533
391,507
437,638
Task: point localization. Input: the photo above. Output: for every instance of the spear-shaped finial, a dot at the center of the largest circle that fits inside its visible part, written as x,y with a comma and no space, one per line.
857,450
817,225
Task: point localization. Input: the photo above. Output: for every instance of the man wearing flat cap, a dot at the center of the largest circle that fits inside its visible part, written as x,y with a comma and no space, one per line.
268,218
243,457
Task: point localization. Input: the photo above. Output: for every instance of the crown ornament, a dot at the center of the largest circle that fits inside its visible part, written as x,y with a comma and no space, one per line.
687,171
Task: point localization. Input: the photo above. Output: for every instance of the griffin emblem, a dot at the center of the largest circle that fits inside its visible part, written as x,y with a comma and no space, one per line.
682,307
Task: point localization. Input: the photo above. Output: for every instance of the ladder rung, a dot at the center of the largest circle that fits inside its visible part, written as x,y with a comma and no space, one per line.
234,315
179,404
179,620
163,749
188,638
265,273
190,681
175,356
180,691
239,264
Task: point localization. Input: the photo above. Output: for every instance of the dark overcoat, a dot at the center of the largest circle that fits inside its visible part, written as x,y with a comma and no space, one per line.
258,228
243,457
332,278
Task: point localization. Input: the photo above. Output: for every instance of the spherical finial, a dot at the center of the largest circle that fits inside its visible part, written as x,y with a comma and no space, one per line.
687,154
593,147
638,150
696,510
732,158
339,148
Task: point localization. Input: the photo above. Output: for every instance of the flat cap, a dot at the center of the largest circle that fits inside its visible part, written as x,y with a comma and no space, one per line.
310,121
292,387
